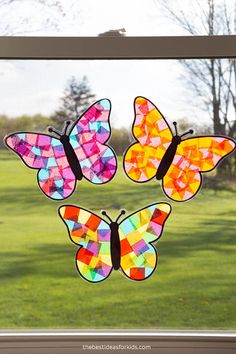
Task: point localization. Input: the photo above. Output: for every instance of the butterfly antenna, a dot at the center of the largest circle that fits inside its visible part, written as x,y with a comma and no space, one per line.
105,214
175,125
54,130
188,132
67,124
122,212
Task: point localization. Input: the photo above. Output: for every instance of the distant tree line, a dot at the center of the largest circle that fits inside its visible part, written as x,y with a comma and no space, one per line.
120,137
37,123
77,97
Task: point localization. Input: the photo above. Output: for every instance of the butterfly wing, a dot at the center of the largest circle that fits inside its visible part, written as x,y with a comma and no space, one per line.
88,137
153,134
137,232
93,234
43,152
193,156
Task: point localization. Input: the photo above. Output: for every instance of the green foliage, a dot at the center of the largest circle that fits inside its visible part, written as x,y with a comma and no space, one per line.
120,140
76,99
192,288
35,123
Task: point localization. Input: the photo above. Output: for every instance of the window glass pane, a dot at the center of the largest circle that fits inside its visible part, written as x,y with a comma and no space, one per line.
194,284
137,17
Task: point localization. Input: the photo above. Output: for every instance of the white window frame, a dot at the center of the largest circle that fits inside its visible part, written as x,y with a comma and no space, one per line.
81,48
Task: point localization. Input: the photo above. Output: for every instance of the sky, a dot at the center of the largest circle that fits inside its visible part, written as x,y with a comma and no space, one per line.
85,17
36,86
30,87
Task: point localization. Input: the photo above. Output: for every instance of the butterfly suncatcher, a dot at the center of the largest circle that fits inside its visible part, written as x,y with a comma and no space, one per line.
178,163
80,151
126,245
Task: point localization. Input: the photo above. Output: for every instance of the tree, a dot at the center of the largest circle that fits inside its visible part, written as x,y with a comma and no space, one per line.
76,99
199,128
120,140
213,80
36,123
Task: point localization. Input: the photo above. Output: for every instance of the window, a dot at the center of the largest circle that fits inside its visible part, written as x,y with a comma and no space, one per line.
40,263
36,266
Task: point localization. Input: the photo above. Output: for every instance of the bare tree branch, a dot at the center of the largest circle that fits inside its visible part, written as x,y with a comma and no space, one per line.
213,81
48,16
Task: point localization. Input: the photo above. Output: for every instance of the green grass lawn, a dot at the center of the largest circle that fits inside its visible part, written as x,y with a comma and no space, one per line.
194,286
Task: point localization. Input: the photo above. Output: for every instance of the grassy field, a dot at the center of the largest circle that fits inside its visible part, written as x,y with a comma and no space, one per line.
194,286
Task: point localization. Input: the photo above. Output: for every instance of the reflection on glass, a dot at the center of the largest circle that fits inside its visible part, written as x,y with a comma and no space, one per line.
137,17
194,284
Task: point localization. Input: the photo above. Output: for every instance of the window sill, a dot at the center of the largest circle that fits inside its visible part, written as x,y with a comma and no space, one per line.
160,342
